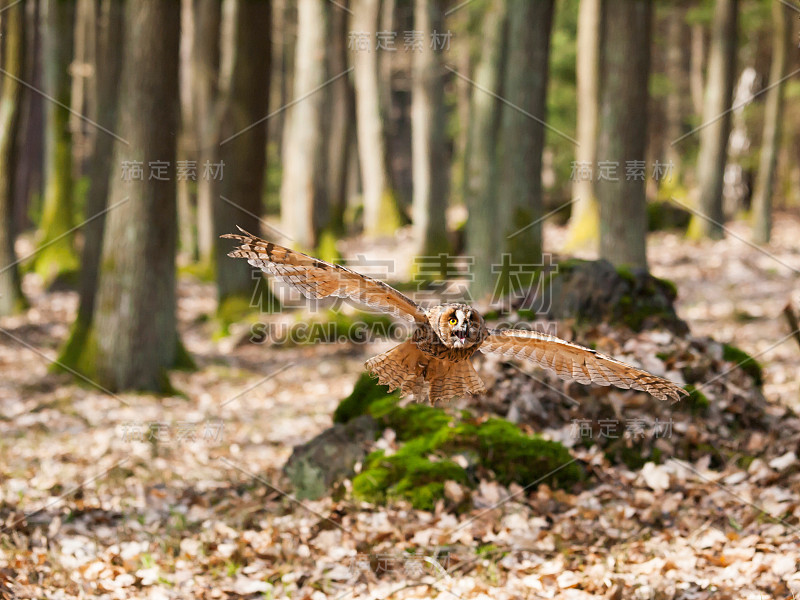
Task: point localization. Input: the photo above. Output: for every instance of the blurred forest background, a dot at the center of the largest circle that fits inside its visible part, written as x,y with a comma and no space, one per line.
650,149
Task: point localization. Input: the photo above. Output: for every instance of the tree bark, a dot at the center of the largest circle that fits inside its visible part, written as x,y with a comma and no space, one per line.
428,138
771,138
244,91
381,214
108,64
716,120
57,258
205,64
698,59
481,230
584,223
13,42
522,137
303,182
677,68
622,130
341,125
135,337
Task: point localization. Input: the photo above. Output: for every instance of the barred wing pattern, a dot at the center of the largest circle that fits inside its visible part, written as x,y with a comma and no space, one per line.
319,279
574,362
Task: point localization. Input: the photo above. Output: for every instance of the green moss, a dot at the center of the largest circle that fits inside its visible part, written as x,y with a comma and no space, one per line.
365,392
743,360
697,402
80,351
336,326
200,270
232,309
626,273
183,360
419,470
326,247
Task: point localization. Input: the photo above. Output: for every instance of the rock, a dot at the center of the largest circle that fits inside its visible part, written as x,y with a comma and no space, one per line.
594,291
330,457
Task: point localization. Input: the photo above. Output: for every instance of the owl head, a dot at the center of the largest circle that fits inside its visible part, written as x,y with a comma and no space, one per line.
457,325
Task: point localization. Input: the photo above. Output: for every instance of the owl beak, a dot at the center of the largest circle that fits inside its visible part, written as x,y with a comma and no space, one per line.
461,337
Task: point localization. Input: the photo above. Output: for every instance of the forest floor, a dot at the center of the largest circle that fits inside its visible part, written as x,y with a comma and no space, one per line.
204,511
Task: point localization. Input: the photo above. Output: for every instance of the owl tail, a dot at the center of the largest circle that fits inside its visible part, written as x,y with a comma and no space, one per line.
408,368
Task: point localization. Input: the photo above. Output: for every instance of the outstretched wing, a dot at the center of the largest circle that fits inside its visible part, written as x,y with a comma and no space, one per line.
574,362
319,279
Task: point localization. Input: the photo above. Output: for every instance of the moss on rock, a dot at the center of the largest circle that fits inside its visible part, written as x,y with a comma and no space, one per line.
744,361
417,472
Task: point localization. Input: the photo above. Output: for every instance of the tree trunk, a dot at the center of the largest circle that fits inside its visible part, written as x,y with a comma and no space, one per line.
187,142
584,224
698,58
519,196
244,91
303,183
481,229
381,214
205,63
428,138
771,138
57,258
11,298
31,136
341,126
677,68
135,337
107,70
622,131
716,120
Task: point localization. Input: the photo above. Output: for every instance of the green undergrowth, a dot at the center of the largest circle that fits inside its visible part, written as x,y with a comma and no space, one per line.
432,439
744,361
332,326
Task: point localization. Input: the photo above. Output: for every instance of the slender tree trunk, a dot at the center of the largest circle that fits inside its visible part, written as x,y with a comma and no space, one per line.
57,258
187,142
698,59
677,68
717,121
622,131
428,138
108,68
303,183
31,160
521,137
381,214
135,337
205,75
584,224
481,229
13,42
84,92
341,126
244,93
771,138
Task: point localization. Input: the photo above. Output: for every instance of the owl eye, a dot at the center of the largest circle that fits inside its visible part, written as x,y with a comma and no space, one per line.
453,321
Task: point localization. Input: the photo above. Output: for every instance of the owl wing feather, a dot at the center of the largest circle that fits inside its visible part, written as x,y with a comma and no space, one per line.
316,278
573,362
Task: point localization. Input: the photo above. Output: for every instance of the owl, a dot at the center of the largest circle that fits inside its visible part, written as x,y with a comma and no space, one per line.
435,361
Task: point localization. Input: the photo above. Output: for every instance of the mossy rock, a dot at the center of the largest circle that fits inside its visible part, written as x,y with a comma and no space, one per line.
417,472
697,402
744,361
366,391
330,457
591,292
663,215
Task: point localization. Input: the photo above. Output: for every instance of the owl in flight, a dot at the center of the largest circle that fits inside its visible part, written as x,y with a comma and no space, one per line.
435,360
